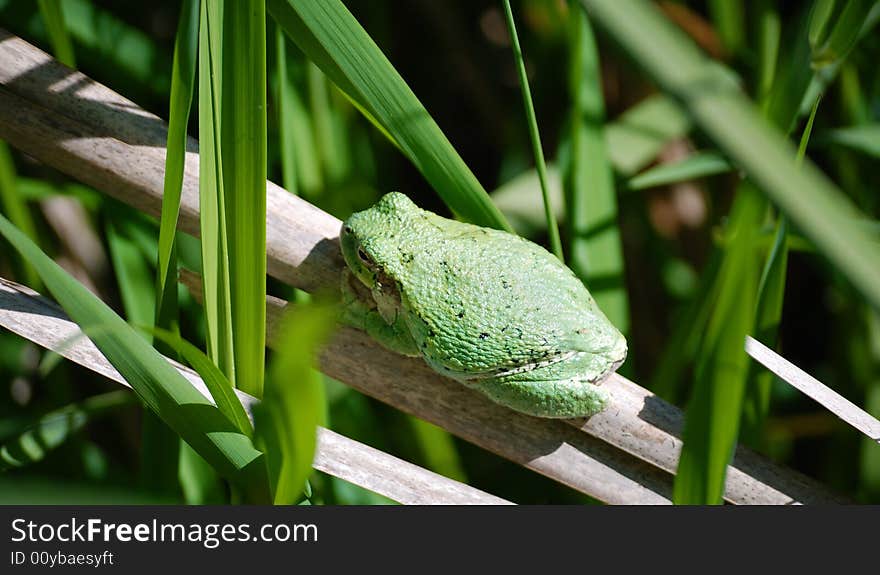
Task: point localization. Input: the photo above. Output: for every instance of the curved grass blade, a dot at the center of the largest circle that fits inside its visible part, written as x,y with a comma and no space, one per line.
534,135
699,165
54,428
156,382
864,138
330,36
217,383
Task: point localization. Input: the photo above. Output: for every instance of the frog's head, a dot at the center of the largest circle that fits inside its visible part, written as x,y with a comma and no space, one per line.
368,238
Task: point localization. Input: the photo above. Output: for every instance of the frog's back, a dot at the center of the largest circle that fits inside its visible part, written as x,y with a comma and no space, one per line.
484,301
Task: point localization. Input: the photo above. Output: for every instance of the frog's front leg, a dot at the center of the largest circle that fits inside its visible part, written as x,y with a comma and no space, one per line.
558,390
359,310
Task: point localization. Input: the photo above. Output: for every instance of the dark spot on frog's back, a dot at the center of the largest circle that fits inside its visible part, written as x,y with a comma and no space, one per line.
461,314
484,335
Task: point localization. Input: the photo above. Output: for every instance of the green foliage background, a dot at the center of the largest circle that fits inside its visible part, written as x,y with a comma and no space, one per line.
682,208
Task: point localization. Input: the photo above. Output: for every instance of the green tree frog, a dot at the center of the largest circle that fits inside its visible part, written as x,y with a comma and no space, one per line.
487,308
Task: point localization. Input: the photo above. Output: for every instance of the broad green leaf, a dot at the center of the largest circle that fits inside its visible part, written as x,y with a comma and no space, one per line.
811,201
330,36
294,404
699,165
595,253
51,430
161,387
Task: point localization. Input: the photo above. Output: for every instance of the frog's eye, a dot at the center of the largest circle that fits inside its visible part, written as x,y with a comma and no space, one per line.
363,256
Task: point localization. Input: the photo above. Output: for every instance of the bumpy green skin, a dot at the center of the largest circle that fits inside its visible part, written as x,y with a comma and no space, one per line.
487,308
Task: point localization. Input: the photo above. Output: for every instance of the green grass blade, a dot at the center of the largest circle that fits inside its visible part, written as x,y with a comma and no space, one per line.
161,387
54,428
332,151
287,420
712,417
299,155
863,138
133,275
212,206
794,76
217,383
840,30
53,18
330,36
729,19
200,484
699,165
286,120
768,314
683,343
769,35
804,194
243,152
534,135
595,253
14,206
182,87
438,449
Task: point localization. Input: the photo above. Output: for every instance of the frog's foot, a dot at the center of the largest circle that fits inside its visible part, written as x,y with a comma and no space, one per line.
360,311
560,390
